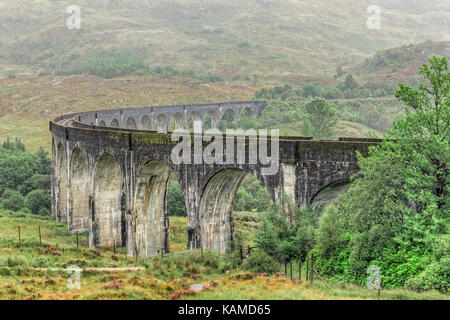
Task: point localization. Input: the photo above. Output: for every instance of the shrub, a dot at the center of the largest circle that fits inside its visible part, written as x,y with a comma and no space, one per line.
175,200
436,276
37,199
259,261
12,200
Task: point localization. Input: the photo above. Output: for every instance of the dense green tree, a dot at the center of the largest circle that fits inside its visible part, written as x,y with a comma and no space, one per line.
398,208
12,200
175,200
36,200
320,118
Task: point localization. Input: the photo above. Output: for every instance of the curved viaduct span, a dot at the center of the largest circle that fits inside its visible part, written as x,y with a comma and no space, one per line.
111,170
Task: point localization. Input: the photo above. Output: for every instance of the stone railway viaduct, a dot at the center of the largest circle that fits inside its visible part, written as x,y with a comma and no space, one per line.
111,170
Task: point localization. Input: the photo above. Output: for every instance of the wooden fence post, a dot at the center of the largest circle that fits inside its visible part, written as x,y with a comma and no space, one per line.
312,267
40,237
307,269
292,277
20,240
300,269
285,268
78,244
240,249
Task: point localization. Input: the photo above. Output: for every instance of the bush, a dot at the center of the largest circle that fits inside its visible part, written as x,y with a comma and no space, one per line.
175,200
36,200
12,200
259,261
436,276
44,211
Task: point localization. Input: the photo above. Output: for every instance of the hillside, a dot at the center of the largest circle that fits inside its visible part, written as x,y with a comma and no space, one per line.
267,40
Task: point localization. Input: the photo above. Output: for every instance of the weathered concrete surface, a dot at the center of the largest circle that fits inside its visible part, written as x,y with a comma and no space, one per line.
117,178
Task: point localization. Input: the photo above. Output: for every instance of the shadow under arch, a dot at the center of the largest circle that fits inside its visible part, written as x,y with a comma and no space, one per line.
211,120
79,192
130,123
161,124
216,208
329,193
150,217
228,120
176,122
107,202
145,123
114,123
193,116
61,186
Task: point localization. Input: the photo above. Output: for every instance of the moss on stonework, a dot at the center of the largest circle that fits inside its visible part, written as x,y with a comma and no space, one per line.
152,138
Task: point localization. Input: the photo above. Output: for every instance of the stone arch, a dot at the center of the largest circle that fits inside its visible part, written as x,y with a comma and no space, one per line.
114,123
329,193
150,210
107,202
145,123
61,187
215,209
130,123
211,119
161,123
246,113
327,180
79,192
228,120
176,122
193,116
102,123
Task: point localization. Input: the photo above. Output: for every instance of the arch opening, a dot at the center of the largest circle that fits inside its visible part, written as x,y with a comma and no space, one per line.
79,188
144,124
176,122
330,193
211,120
61,187
150,210
130,123
102,123
114,123
107,203
193,116
246,118
217,204
161,124
228,120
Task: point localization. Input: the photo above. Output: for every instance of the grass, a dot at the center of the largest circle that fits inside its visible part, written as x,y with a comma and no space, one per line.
163,278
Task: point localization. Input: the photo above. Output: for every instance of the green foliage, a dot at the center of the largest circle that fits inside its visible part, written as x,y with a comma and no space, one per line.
168,71
395,215
112,63
21,170
436,276
259,261
320,118
287,241
12,200
175,200
37,200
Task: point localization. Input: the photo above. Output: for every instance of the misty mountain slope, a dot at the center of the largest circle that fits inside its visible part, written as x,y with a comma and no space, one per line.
267,38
